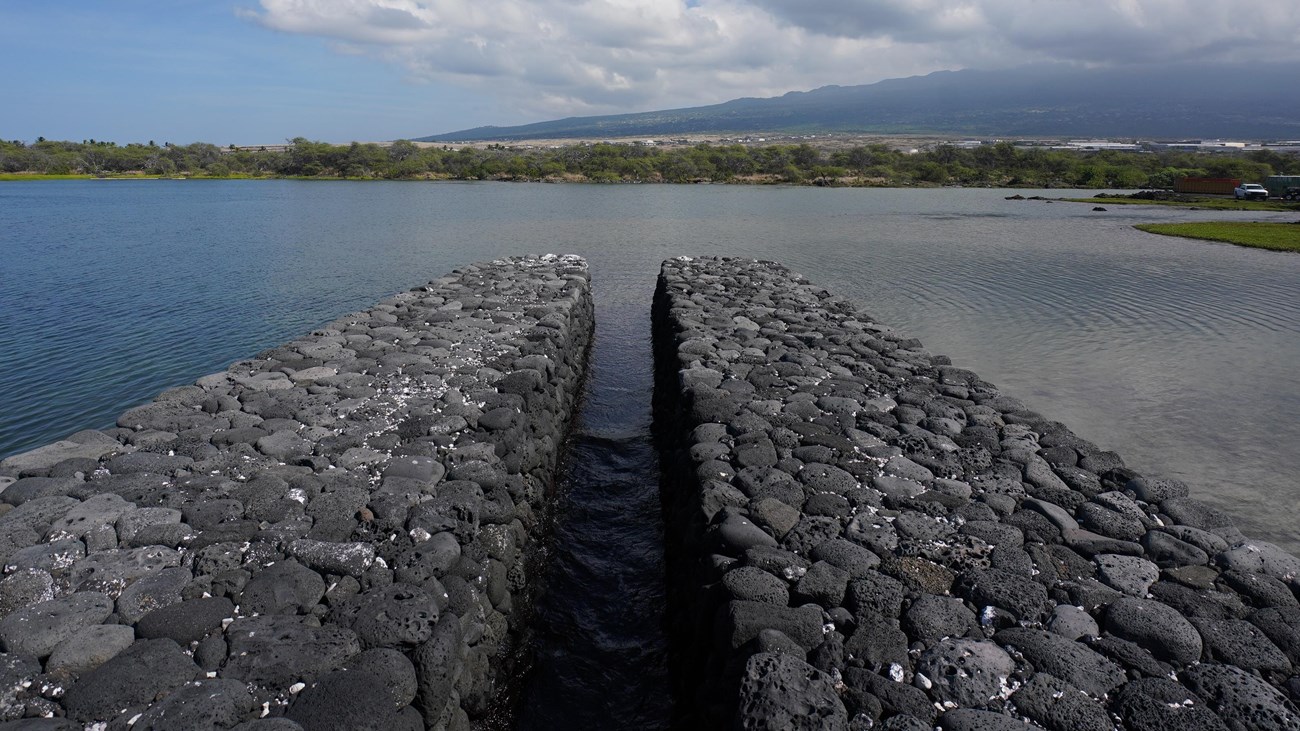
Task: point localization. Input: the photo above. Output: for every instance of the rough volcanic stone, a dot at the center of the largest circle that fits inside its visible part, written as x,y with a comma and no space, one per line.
393,668
284,588
186,621
1129,574
969,719
893,697
1238,642
965,672
1260,589
743,620
1156,627
397,615
351,559
1260,557
753,584
876,592
823,584
278,651
1204,603
1023,597
846,555
23,588
112,571
779,691
932,617
210,704
134,677
89,648
877,641
37,629
1072,622
344,700
1192,512
152,592
1059,706
1282,626
1071,661
1169,552
438,663
1243,700
738,534
1160,704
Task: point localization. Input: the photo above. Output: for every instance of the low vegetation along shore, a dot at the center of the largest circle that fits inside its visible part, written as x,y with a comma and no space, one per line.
997,165
1259,235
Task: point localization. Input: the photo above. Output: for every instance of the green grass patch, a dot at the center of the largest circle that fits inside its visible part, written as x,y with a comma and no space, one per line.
1222,204
1273,236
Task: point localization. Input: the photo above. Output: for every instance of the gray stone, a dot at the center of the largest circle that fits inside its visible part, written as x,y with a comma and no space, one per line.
1238,642
969,719
438,663
89,648
334,558
397,616
278,651
1023,597
1073,662
25,587
779,691
1072,623
743,620
753,584
79,446
1242,699
876,592
37,629
1156,627
1059,706
152,592
1156,490
932,617
965,672
1160,704
393,668
1170,552
203,705
774,514
738,535
823,584
1191,512
893,697
846,555
1129,574
344,700
112,571
286,587
134,677
186,621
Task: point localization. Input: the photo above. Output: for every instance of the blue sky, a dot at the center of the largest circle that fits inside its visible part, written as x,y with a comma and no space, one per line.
262,71
187,70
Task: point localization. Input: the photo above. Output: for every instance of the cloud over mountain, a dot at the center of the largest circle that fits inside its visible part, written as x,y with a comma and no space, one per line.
549,58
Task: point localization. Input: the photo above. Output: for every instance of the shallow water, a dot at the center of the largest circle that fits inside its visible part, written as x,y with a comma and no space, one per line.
1178,354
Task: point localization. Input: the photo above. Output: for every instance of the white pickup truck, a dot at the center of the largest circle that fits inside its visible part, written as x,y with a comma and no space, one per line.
1250,191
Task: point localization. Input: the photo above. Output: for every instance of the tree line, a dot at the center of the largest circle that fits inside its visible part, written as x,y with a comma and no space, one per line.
999,164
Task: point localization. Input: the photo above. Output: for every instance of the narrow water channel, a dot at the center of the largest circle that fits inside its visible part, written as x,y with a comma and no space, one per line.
601,653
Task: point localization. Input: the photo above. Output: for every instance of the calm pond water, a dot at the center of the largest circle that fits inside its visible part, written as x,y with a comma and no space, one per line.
1178,354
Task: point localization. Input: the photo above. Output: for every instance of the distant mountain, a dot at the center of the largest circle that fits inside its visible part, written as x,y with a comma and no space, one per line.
1185,101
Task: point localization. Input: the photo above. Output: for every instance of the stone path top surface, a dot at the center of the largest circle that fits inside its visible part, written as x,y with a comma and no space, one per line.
327,535
897,541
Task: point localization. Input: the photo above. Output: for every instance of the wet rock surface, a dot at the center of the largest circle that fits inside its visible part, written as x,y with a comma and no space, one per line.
332,534
991,569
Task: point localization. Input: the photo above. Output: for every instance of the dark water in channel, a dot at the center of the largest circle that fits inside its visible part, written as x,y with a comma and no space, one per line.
1181,355
600,649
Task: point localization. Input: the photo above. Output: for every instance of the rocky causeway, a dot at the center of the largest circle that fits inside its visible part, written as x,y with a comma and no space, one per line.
334,534
342,533
862,535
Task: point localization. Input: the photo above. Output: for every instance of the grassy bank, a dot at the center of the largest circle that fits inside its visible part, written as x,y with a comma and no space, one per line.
1273,236
1223,204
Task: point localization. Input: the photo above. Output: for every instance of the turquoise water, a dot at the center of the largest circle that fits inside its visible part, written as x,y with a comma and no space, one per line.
1181,355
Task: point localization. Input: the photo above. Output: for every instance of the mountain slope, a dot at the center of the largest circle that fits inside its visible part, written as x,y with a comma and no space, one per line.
1255,102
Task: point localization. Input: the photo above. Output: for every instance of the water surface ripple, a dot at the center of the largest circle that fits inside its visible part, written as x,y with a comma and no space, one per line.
1178,354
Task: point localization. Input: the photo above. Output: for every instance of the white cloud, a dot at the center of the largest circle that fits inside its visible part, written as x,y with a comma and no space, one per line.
548,58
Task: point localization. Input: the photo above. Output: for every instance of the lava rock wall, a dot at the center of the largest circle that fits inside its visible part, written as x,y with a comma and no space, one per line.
863,536
332,535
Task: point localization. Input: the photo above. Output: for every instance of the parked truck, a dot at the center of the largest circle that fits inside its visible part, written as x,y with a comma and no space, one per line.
1250,192
1278,184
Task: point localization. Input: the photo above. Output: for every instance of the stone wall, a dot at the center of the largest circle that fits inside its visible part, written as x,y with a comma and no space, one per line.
332,535
864,536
